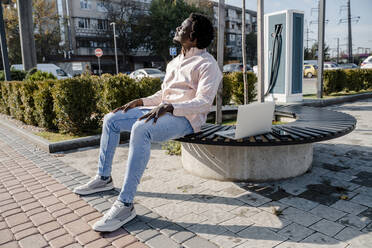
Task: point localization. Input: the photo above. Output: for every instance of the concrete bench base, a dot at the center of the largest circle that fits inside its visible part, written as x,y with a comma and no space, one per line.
246,163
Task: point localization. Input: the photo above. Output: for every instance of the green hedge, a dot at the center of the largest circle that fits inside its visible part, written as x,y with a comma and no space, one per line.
237,86
16,75
347,80
74,105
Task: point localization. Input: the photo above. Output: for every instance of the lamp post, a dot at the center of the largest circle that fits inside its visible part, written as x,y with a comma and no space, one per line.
4,49
116,54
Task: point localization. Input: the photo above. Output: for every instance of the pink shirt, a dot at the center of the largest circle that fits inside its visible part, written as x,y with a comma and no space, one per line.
190,85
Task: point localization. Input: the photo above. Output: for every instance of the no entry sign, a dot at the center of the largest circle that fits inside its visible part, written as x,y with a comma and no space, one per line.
98,52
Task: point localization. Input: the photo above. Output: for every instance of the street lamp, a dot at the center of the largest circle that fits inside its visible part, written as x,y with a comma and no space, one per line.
116,54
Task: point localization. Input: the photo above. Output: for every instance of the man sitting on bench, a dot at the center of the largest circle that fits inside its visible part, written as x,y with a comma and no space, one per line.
178,109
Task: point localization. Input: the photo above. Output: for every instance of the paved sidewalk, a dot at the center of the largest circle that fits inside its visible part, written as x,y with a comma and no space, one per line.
329,207
38,211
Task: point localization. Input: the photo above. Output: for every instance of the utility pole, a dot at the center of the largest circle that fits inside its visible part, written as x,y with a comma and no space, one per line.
244,56
220,46
116,54
4,49
26,28
350,42
321,24
338,50
260,50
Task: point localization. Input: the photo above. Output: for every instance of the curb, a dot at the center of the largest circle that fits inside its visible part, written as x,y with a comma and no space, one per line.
229,112
53,147
336,100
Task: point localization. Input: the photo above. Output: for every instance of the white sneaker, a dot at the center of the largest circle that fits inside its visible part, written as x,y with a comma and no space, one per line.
95,185
118,215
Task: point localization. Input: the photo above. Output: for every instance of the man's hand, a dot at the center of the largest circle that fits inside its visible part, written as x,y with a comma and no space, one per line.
157,112
129,105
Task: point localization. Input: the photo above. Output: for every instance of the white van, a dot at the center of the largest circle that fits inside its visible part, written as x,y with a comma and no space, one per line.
51,68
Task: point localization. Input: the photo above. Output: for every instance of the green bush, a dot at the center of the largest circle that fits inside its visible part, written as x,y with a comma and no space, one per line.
35,75
116,91
15,75
4,100
43,101
75,105
367,75
334,81
28,89
236,79
347,80
15,102
148,86
354,80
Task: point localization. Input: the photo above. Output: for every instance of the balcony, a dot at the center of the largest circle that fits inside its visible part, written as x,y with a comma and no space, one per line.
91,32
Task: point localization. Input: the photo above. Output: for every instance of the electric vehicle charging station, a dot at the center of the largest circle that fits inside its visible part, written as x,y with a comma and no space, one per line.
284,32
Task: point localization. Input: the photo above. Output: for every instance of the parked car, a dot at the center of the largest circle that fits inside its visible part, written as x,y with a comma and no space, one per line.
310,70
367,63
348,66
51,68
235,67
331,66
147,72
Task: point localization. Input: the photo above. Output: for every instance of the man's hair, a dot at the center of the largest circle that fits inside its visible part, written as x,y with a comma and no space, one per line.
202,30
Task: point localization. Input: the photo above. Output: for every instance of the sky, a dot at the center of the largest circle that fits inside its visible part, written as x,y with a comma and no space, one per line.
361,31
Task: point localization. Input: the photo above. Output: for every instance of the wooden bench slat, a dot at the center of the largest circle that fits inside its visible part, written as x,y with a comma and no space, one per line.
303,132
299,135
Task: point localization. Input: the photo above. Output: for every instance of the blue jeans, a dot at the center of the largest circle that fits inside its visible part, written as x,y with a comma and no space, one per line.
167,127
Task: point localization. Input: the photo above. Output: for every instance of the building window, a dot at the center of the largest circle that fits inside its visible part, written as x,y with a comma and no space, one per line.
84,23
102,24
101,6
232,37
85,4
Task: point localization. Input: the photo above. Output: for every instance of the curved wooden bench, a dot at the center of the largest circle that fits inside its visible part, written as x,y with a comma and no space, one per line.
211,156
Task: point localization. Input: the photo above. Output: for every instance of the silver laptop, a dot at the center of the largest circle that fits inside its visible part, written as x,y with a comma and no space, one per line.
253,119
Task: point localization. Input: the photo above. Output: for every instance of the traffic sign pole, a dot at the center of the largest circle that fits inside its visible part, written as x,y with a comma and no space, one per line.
98,52
99,66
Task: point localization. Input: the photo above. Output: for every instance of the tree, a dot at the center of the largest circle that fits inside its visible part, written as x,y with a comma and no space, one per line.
46,29
312,53
12,33
126,14
160,26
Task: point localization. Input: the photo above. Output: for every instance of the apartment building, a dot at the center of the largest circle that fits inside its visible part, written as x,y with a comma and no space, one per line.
85,27
233,28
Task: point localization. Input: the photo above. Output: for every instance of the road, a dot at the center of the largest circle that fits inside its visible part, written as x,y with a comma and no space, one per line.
309,86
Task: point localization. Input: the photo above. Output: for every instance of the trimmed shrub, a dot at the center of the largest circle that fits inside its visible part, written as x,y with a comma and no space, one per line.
354,80
148,86
16,75
367,75
4,100
15,102
43,101
35,75
28,89
116,91
75,104
334,81
347,80
236,79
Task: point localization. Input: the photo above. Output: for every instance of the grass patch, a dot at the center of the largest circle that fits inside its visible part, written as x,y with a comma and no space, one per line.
56,137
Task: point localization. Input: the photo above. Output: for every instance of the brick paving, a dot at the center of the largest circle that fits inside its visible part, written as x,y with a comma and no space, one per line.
330,206
38,211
